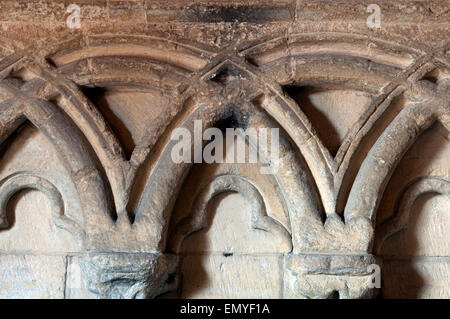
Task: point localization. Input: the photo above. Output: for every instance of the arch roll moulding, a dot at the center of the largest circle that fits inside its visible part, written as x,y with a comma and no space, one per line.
92,204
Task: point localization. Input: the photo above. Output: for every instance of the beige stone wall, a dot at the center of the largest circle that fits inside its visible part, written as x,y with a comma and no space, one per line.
93,206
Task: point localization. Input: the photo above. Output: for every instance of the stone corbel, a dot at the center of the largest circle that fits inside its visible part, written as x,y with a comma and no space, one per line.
129,275
329,276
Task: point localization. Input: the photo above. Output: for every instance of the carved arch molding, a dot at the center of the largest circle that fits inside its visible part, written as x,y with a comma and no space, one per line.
126,214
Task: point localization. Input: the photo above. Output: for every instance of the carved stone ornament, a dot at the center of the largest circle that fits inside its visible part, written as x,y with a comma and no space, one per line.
87,115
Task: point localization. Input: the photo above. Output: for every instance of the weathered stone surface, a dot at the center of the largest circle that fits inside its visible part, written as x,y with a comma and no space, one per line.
231,276
328,276
77,283
32,276
362,176
420,277
128,275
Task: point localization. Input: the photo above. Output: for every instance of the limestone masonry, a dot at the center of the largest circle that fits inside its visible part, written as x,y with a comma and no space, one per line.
92,205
